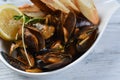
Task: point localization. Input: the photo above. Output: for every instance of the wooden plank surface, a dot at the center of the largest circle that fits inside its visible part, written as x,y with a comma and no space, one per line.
102,64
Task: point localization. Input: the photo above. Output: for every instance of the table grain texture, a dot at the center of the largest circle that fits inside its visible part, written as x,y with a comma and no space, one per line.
102,64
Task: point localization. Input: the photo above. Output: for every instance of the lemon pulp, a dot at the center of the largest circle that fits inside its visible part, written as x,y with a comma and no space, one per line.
8,26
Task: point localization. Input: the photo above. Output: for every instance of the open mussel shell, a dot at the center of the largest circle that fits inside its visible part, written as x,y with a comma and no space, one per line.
14,62
34,39
69,25
19,64
53,60
70,22
87,41
22,57
58,65
31,41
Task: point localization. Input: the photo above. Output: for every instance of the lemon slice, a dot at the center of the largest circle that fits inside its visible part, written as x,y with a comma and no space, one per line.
8,26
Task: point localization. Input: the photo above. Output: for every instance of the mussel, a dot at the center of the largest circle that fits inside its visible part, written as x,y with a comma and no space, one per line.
54,60
14,62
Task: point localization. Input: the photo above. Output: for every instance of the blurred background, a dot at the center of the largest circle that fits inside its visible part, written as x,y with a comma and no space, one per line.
15,2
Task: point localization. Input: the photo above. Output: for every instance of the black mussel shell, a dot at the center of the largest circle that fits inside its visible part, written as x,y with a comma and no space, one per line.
14,62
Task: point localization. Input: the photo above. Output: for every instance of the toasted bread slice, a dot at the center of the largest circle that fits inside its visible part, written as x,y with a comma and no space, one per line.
43,7
70,5
88,9
31,10
56,5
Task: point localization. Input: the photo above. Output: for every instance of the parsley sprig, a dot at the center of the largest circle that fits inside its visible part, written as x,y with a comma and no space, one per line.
28,19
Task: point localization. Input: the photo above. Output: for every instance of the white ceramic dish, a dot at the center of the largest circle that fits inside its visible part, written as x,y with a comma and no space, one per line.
105,9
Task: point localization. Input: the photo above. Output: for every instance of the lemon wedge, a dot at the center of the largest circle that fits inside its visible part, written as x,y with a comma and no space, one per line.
8,26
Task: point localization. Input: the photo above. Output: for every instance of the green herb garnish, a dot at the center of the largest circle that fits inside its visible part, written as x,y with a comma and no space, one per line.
17,17
28,19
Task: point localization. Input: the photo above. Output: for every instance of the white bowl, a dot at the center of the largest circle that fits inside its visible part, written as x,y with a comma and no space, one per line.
105,9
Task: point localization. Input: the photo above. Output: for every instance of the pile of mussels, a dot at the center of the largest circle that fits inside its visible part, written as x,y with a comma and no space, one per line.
51,42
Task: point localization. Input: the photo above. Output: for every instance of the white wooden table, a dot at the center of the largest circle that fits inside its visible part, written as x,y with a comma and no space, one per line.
102,64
